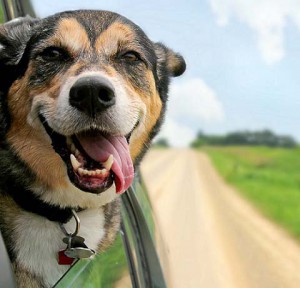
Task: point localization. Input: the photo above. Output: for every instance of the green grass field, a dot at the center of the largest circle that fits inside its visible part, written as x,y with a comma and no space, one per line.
269,177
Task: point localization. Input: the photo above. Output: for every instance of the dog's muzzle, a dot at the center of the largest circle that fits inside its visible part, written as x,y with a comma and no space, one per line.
92,95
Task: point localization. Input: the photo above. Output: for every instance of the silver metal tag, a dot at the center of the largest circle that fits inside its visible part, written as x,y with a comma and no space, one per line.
79,252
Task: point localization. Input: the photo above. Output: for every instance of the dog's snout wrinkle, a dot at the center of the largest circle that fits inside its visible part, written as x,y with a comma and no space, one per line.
92,95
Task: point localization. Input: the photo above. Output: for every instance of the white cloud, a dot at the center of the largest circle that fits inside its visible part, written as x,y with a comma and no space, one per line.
178,135
191,103
194,99
266,17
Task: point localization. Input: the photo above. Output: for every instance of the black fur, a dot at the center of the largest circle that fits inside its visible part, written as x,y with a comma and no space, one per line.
13,39
31,203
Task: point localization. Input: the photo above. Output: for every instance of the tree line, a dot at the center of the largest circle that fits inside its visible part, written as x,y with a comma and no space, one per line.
252,138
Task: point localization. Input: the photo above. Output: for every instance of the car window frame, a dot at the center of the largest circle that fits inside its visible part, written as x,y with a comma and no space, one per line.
151,274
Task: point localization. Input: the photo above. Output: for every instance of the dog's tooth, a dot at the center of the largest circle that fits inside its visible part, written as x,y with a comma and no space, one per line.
93,173
74,162
103,171
80,171
77,153
85,172
98,172
108,163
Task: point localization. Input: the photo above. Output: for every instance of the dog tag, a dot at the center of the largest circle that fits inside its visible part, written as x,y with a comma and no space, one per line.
63,259
79,252
75,241
77,248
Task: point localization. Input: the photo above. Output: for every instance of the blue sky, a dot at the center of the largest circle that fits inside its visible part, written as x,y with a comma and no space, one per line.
242,58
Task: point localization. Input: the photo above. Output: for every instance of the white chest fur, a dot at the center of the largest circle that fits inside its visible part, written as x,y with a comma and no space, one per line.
38,241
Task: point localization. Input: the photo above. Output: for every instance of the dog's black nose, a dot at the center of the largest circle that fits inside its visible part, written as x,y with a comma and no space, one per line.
92,95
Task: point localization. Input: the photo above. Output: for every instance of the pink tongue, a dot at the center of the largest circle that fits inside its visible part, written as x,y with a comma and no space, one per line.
100,147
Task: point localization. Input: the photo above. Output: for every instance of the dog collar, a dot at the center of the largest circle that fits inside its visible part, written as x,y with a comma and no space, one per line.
31,203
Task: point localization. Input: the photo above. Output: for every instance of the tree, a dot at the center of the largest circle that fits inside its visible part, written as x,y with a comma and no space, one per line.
162,142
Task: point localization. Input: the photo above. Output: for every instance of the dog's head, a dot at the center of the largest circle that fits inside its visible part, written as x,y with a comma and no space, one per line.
82,95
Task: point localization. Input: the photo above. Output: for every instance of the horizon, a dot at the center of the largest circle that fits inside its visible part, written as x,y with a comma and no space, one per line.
228,133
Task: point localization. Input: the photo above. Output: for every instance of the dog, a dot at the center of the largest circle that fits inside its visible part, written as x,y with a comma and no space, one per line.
82,94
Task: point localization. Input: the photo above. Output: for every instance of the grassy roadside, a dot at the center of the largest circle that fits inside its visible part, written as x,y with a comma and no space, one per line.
269,177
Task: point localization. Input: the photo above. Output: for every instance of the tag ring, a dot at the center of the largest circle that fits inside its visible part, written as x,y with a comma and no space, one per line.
77,221
77,228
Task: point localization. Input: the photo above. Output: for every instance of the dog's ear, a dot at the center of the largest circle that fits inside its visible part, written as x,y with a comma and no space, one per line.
168,61
14,36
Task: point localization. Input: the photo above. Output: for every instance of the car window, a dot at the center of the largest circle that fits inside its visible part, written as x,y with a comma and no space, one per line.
142,253
142,196
143,199
108,269
6,275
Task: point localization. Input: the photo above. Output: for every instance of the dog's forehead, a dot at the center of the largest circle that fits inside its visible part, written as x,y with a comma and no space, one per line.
86,27
93,22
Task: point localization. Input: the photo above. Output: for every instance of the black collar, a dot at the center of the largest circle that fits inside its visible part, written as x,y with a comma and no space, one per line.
31,203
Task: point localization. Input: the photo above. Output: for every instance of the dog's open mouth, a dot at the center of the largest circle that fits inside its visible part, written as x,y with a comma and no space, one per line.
94,160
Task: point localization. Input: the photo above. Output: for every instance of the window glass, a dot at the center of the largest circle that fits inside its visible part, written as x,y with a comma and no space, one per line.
1,14
143,199
132,247
142,195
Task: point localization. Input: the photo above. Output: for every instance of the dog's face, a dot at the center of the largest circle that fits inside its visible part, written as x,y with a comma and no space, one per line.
83,94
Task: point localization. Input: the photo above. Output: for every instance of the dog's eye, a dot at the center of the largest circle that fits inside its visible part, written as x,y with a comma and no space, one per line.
53,54
131,56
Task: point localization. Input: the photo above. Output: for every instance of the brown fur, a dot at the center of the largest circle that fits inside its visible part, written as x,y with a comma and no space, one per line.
113,38
25,279
112,224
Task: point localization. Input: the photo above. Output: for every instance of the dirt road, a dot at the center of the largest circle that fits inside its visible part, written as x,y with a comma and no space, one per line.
212,237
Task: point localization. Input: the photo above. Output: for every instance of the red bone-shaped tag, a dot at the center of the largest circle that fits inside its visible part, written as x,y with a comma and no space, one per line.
63,259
